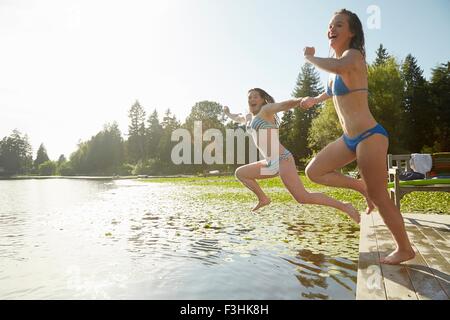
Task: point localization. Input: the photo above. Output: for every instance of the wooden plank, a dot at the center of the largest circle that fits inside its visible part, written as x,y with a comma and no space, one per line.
430,220
437,263
425,284
440,223
370,284
437,241
434,237
396,277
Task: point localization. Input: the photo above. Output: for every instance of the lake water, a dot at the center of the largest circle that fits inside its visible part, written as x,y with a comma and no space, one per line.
125,239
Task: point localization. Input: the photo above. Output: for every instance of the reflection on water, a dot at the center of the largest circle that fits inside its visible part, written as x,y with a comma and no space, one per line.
126,239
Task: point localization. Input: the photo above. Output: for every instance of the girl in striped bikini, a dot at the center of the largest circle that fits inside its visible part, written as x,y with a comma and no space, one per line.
264,128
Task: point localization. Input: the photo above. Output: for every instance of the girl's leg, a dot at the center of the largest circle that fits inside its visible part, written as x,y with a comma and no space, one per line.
248,174
290,178
322,169
371,157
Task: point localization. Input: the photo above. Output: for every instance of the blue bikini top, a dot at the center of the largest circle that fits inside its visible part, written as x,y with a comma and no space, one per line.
339,88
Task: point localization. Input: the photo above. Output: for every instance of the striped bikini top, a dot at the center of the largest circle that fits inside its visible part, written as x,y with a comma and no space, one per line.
260,123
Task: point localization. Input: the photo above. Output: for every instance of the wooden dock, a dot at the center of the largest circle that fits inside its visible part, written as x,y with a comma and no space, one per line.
427,277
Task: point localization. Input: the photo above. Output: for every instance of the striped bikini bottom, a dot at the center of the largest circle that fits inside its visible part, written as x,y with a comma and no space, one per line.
273,166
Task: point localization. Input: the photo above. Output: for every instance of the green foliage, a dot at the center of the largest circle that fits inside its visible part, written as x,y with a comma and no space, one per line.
65,169
136,148
415,107
125,169
103,154
325,128
414,111
439,121
232,190
308,84
386,100
154,133
382,56
41,157
209,113
148,167
47,168
15,154
169,124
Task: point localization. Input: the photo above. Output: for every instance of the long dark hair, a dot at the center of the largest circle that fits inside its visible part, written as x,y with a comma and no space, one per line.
268,99
356,28
264,95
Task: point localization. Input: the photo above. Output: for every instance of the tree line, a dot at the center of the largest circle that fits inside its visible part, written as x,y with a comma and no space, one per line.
415,112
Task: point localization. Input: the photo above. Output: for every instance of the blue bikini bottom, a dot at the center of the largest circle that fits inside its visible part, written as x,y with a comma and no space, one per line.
352,143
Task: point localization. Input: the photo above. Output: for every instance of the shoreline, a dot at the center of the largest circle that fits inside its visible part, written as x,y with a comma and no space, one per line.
92,177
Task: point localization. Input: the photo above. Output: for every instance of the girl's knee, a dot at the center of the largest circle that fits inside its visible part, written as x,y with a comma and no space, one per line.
237,174
311,172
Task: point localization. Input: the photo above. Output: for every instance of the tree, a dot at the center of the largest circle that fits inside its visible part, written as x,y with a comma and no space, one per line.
61,159
308,84
169,124
415,105
211,116
153,135
386,100
439,122
41,157
136,133
209,113
16,154
325,128
103,154
47,168
382,56
286,129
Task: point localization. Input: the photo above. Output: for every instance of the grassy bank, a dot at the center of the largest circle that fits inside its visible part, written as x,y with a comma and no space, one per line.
232,190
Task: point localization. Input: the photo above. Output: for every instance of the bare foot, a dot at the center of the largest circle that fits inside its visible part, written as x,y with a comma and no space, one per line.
352,212
261,203
397,257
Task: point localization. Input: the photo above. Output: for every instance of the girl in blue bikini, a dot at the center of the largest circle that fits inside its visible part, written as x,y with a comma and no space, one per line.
263,125
364,140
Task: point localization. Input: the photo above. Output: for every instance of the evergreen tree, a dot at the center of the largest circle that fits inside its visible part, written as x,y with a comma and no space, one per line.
169,124
382,56
41,157
286,129
415,127
439,120
61,159
308,84
136,145
154,133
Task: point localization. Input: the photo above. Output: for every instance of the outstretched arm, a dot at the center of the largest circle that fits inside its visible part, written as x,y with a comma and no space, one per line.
334,65
272,108
237,117
309,102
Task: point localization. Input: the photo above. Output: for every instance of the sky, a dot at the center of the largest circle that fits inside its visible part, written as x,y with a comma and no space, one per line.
69,67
